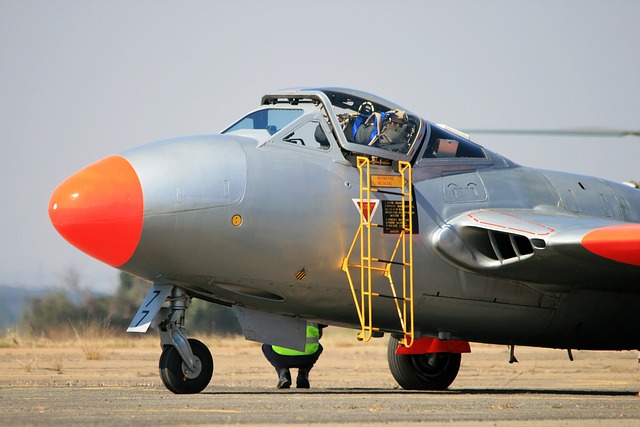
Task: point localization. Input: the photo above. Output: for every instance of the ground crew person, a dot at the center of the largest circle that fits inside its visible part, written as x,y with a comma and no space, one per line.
284,359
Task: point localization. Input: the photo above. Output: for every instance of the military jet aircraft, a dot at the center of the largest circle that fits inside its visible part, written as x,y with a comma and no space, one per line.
336,206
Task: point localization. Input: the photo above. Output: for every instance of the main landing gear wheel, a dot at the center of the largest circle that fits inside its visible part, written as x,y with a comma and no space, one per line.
177,377
434,371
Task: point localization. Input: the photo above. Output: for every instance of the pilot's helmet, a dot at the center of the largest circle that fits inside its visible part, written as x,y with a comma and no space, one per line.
398,116
366,109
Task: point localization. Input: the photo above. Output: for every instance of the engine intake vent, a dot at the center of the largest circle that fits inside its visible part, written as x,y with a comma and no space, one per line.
499,246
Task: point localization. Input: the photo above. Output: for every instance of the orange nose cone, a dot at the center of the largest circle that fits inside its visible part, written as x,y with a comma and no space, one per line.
99,210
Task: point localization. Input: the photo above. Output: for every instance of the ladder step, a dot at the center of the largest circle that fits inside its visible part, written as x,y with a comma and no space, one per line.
364,266
391,262
384,261
392,297
375,333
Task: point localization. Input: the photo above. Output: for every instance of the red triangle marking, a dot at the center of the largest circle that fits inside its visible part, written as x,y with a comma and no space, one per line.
369,207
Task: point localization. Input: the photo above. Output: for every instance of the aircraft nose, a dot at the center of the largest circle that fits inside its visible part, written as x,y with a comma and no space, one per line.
99,210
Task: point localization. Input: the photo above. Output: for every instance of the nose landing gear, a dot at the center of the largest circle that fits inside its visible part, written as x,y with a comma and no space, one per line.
186,365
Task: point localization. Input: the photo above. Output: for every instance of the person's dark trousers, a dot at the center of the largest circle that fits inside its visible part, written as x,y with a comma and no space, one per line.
282,364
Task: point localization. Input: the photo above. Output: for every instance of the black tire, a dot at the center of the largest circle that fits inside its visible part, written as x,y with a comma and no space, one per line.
173,371
422,371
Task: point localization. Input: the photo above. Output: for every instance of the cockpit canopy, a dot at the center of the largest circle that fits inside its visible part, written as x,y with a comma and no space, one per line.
360,122
375,123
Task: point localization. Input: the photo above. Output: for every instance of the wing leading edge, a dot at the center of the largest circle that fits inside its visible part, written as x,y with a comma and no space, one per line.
543,246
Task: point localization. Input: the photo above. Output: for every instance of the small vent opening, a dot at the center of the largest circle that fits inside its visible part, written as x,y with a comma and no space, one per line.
503,246
509,246
522,245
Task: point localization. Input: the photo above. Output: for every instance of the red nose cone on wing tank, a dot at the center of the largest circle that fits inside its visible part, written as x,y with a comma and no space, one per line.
99,210
619,243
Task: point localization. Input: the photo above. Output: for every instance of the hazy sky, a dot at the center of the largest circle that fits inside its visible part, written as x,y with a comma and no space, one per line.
80,80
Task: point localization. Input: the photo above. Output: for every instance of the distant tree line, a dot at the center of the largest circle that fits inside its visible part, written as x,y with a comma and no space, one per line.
70,308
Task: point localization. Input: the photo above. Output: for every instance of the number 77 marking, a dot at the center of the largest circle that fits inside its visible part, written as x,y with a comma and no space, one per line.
149,308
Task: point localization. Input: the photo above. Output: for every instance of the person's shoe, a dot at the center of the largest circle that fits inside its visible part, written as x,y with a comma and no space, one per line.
284,379
303,379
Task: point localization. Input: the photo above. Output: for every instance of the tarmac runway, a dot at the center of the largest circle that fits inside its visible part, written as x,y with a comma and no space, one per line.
327,406
351,385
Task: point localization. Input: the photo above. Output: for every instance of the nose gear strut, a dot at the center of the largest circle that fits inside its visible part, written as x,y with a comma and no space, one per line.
186,365
172,330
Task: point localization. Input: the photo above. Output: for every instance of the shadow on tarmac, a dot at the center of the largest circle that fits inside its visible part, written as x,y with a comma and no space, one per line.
454,392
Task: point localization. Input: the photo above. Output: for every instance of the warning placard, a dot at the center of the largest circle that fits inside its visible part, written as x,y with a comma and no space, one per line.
367,209
392,217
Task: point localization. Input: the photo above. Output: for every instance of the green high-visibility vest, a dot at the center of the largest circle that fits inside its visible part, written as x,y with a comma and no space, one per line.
313,342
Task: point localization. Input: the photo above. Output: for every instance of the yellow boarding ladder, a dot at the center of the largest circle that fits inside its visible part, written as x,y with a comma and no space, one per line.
402,254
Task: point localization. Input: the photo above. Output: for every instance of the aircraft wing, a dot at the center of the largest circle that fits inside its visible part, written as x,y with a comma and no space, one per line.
543,246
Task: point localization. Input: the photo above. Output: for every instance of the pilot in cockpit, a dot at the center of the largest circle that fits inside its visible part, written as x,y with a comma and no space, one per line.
388,130
394,134
361,127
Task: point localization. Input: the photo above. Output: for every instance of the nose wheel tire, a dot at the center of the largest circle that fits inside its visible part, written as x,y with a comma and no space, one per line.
177,377
434,371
